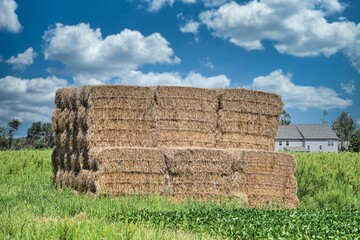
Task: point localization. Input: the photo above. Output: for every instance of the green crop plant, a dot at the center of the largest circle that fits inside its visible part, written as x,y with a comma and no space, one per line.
32,208
328,180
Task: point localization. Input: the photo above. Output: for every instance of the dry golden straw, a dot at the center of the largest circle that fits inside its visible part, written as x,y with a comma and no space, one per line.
175,141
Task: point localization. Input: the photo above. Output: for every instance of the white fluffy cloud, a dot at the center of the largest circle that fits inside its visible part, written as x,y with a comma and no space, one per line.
86,54
23,59
296,27
190,27
28,99
353,50
8,18
156,5
297,96
214,3
174,79
117,58
349,87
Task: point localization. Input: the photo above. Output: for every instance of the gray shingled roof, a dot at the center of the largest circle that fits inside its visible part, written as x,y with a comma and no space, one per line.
288,132
316,131
307,131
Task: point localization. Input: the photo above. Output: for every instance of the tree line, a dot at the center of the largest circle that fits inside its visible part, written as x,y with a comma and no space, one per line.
344,127
39,135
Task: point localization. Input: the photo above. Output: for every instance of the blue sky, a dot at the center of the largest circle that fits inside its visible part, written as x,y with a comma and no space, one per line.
306,51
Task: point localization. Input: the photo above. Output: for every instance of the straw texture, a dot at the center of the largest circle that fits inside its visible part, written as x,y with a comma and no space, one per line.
177,141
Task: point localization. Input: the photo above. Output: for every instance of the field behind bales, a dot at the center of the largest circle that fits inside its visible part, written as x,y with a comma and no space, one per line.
31,207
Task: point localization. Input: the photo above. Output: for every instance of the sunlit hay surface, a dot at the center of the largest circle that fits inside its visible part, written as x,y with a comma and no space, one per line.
177,141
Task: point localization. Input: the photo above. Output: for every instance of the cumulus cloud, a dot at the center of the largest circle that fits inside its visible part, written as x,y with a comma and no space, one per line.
28,99
8,18
23,59
156,5
174,79
296,27
190,27
86,54
353,50
349,87
297,96
214,3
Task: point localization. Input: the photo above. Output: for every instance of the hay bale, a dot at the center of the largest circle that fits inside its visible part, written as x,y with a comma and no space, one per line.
197,160
85,181
197,172
186,117
116,185
231,96
248,123
178,141
266,175
130,170
205,117
99,138
185,93
245,141
66,96
183,138
131,160
55,118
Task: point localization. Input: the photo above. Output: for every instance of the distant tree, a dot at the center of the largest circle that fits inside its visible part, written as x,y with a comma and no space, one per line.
344,126
34,132
3,142
48,134
355,141
285,118
13,125
21,143
40,135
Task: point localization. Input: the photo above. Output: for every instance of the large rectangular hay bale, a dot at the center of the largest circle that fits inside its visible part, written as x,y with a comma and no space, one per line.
267,175
130,170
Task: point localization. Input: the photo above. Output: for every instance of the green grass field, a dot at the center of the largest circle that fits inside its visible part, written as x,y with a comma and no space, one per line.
31,208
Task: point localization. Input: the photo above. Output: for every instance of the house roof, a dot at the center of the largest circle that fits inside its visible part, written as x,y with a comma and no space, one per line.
288,132
305,131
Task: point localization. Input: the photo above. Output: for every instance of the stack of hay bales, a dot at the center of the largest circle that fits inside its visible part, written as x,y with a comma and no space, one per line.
177,141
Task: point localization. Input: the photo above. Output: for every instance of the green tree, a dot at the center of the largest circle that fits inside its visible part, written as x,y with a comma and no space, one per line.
3,141
13,125
40,135
285,118
344,126
355,141
34,132
48,134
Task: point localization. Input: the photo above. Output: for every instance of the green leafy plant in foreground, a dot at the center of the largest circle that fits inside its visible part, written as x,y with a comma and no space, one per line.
31,207
328,180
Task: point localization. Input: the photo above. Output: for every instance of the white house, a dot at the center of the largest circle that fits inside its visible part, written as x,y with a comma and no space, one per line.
306,138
